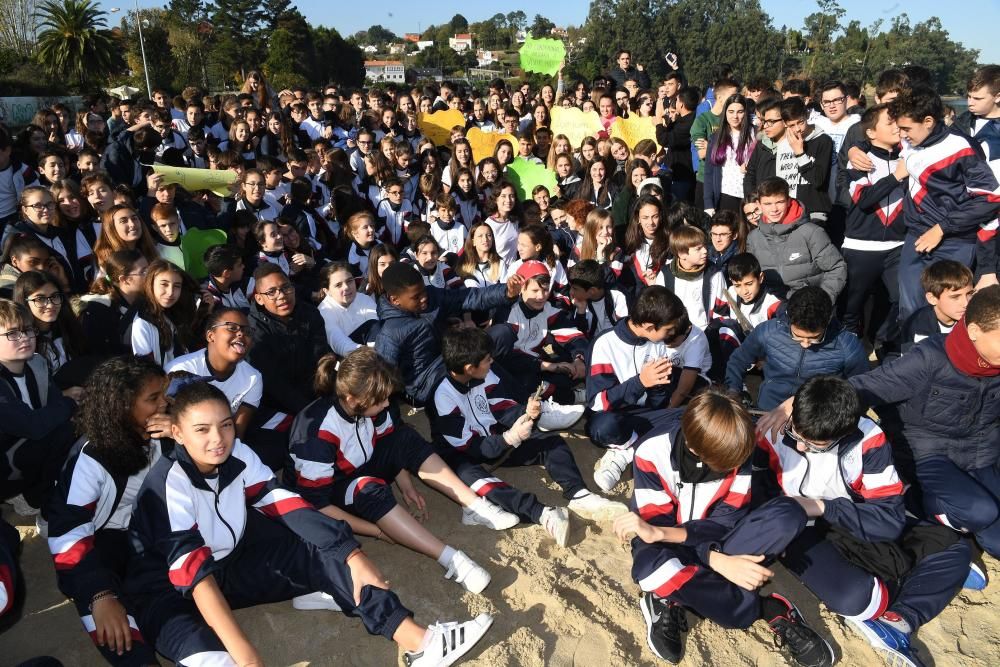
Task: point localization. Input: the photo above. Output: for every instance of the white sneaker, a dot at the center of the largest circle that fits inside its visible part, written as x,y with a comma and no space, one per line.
21,506
466,572
42,526
557,417
610,468
596,508
555,521
447,642
317,600
485,513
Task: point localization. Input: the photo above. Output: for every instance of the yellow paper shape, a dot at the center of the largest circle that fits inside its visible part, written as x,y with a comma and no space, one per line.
437,126
542,55
484,143
634,129
575,124
525,175
218,181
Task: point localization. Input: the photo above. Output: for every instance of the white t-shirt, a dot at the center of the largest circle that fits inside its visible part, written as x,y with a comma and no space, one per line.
504,238
838,132
245,385
693,353
341,322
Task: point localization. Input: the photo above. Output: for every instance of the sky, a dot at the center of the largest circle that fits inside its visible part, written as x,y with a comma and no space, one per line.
972,23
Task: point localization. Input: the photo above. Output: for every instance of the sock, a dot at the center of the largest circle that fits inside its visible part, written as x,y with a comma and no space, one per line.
446,555
771,608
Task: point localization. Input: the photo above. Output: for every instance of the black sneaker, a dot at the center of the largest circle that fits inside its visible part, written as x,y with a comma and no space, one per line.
798,640
665,625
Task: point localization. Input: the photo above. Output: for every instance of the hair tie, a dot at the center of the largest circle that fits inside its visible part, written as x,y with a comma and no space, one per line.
178,383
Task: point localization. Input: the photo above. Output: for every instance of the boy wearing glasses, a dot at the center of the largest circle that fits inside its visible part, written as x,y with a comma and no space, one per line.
289,338
807,341
859,553
36,431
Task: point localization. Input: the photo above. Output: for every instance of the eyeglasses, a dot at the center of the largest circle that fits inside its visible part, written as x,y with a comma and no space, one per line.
140,273
809,445
810,340
835,101
15,335
756,213
721,235
234,328
42,301
770,122
39,206
273,293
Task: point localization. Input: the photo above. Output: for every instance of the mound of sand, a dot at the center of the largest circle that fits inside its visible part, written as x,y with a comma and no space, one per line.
557,607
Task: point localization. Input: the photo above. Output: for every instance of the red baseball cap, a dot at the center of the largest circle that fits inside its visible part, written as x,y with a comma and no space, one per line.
532,269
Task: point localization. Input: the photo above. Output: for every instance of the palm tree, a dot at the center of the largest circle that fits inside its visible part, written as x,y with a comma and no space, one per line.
74,43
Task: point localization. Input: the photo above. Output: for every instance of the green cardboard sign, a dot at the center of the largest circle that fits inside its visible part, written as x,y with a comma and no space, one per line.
525,175
542,55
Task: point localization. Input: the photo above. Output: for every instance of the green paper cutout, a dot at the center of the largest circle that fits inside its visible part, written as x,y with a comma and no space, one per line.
525,175
542,55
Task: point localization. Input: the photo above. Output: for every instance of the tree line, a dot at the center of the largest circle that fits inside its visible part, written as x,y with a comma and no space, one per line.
212,44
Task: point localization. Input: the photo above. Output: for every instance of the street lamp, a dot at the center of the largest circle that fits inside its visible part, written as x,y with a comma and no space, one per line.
142,47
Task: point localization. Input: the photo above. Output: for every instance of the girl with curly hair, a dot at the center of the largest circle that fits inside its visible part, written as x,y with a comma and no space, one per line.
121,418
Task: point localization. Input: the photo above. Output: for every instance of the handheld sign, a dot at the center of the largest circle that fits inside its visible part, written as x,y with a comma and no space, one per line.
542,55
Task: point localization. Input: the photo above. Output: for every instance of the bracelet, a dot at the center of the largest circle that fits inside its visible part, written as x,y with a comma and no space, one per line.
101,596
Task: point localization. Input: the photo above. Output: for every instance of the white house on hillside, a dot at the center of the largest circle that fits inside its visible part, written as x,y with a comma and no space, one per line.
461,42
385,70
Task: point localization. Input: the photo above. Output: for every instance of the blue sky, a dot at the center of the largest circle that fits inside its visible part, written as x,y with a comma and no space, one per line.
972,23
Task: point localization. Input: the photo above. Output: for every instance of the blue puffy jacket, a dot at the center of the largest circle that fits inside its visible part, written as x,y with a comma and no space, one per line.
943,411
787,364
413,343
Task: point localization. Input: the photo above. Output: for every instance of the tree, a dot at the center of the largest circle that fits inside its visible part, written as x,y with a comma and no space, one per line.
155,38
820,28
336,59
74,44
378,35
458,24
239,38
17,26
541,27
291,54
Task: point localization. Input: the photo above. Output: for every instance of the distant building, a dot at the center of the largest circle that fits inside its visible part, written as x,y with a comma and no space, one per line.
385,70
520,36
423,44
370,49
397,49
416,74
461,42
411,37
486,58
559,32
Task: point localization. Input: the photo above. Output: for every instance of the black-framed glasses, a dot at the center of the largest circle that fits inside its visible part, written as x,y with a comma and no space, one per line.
809,445
834,101
15,335
235,328
42,301
273,293
770,122
39,206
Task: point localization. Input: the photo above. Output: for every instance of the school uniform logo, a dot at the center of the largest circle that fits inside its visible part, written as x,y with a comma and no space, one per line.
794,256
482,405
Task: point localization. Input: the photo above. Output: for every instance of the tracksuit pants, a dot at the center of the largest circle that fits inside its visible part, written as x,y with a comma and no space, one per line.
675,571
912,264
849,590
527,369
621,429
966,500
31,467
111,548
368,492
864,271
271,564
550,451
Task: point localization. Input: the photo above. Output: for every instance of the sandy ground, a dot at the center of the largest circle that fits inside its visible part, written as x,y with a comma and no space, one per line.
560,607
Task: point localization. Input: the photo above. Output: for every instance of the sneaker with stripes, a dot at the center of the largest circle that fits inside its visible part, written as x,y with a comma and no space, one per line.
446,643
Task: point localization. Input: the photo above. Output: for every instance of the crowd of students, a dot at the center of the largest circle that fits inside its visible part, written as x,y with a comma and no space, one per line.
800,259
